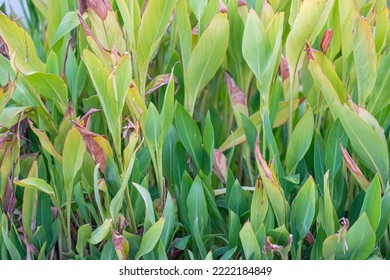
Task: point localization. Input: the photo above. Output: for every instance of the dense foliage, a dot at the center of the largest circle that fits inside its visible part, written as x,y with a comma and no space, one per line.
195,129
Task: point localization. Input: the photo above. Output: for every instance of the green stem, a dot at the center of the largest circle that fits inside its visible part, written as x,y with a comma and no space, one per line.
299,251
290,112
130,212
160,175
62,219
68,208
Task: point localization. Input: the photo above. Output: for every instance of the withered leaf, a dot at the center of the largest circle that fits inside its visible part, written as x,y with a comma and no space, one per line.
326,38
9,201
93,146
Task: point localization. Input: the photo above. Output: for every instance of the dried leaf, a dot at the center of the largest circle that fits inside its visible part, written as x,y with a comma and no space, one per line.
220,167
326,39
355,170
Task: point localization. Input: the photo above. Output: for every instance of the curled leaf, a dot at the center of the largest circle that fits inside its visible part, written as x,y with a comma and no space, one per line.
9,201
326,38
283,68
355,170
220,167
241,3
236,94
120,244
222,7
97,145
100,7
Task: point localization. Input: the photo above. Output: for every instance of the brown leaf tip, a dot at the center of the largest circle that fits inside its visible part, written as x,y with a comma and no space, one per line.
220,167
326,39
350,162
237,95
241,3
284,71
262,162
4,48
222,7
310,52
195,30
100,7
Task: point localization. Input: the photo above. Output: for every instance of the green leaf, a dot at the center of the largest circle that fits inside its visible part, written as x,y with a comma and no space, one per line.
249,243
256,47
303,208
329,211
365,59
319,157
111,88
300,141
9,116
154,24
206,58
272,187
21,47
149,215
385,216
236,201
42,6
83,234
333,155
197,205
329,71
101,232
35,184
280,236
360,240
372,203
189,134
57,11
198,234
327,88
68,23
11,247
152,127
308,24
365,141
316,252
128,17
169,214
51,87
30,205
198,7
209,142
378,98
150,238
105,27
182,21
45,142
72,158
259,206
168,108
117,201
234,229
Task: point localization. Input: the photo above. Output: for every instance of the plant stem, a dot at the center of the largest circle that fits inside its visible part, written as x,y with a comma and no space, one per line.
62,219
130,211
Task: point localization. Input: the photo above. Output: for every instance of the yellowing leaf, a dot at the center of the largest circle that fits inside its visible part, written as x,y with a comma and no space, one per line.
308,24
300,141
150,238
365,59
206,58
35,184
21,45
72,158
45,142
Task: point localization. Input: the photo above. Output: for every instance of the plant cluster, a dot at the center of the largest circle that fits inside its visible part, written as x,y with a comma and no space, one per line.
195,129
